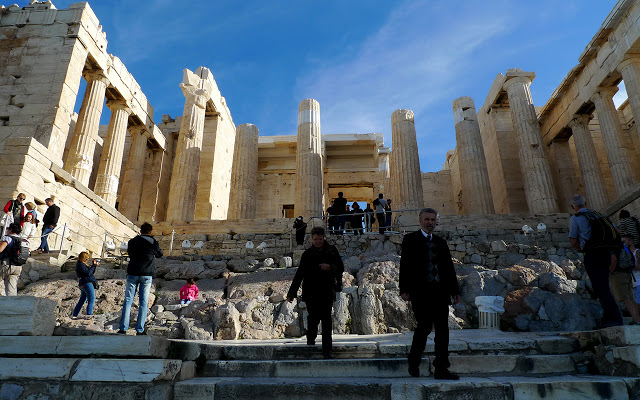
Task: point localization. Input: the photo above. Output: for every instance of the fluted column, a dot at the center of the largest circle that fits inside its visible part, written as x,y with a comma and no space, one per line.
476,189
405,175
592,179
309,171
244,176
536,172
184,179
131,191
617,155
630,70
83,145
108,176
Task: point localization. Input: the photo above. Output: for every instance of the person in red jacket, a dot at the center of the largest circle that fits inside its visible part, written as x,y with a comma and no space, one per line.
16,209
188,292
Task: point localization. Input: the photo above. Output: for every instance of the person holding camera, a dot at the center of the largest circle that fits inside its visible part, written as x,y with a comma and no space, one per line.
87,283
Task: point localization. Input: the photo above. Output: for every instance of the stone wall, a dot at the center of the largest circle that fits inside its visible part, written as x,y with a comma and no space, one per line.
28,168
436,191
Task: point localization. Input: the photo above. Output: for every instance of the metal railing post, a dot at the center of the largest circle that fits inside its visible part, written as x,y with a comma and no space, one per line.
64,230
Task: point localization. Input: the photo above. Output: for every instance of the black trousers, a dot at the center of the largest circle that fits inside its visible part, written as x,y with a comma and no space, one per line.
428,314
382,222
320,311
597,265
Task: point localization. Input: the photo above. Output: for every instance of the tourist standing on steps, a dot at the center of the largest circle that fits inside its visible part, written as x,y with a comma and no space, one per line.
141,249
428,280
9,273
630,226
340,209
301,229
599,261
380,203
320,273
13,211
49,222
86,282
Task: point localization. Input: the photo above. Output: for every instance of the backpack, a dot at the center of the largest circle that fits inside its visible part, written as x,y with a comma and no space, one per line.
19,252
603,233
626,260
376,202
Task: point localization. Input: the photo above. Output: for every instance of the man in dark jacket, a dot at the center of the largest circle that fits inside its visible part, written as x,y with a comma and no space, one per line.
142,249
49,221
320,273
428,280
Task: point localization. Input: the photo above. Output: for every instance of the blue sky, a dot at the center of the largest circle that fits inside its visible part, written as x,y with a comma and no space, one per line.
360,59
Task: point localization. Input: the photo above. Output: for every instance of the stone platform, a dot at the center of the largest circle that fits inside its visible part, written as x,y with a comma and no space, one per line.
493,365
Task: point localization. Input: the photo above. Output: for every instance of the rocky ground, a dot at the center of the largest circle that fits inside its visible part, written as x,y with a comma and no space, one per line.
244,297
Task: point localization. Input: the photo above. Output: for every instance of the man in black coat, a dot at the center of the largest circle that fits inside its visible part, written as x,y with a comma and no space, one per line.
428,280
142,250
49,221
320,273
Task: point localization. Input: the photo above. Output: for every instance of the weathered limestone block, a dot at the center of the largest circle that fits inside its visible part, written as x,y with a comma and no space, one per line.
592,178
226,323
242,204
405,175
476,190
27,315
117,370
536,172
309,166
617,154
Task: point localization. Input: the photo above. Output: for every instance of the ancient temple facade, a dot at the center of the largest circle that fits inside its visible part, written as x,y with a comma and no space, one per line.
511,157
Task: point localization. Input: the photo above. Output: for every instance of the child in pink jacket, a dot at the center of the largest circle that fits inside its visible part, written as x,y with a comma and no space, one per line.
188,292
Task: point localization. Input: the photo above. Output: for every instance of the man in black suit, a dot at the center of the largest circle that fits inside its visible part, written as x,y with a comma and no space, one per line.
428,280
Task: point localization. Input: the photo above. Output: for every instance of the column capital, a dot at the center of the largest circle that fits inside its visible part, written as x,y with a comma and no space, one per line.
195,95
119,105
96,75
604,92
579,119
139,129
524,79
402,115
627,61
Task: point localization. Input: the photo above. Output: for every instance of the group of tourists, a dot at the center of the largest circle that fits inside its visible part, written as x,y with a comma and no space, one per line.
342,217
610,259
19,224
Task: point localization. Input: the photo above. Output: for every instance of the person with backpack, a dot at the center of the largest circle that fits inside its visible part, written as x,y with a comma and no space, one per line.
596,237
10,260
621,280
635,271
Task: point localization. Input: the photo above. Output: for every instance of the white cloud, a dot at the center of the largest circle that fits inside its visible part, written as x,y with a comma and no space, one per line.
413,61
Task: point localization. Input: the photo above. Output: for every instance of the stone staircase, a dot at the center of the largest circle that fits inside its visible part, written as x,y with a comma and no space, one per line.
492,365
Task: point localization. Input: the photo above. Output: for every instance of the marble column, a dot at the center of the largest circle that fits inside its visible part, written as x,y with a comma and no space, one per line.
184,179
476,189
244,177
111,158
80,159
309,168
131,192
536,172
405,175
592,179
617,155
630,70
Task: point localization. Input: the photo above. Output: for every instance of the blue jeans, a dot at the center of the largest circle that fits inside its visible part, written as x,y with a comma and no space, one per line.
143,284
87,294
43,244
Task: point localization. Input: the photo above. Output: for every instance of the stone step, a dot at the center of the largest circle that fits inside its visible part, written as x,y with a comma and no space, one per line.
525,365
388,346
112,346
469,388
96,369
